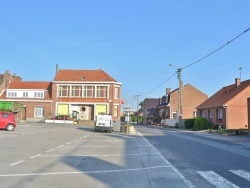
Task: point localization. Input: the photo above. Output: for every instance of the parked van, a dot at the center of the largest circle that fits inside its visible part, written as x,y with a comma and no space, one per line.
104,122
7,121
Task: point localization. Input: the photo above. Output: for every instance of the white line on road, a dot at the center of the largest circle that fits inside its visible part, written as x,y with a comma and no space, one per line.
169,164
60,146
35,156
13,164
83,172
50,150
68,143
106,146
242,173
216,179
115,155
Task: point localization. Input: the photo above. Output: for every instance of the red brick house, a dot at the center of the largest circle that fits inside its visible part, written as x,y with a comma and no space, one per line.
191,97
86,93
35,96
81,94
228,106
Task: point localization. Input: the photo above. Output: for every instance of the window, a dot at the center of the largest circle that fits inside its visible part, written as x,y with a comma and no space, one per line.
210,114
89,91
101,91
174,115
38,111
12,94
194,114
38,94
202,114
63,91
25,94
116,93
116,111
76,91
219,114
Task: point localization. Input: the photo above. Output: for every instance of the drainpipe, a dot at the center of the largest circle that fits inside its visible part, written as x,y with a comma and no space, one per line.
225,107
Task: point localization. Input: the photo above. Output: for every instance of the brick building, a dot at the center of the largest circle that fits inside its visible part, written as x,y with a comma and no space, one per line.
191,97
228,106
79,93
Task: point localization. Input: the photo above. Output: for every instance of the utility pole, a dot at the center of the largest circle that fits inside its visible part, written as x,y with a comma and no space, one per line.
137,104
179,98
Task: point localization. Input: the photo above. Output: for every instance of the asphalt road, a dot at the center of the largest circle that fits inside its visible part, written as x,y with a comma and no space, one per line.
52,155
205,160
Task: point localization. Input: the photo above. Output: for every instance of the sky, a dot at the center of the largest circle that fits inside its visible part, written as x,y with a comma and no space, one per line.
134,41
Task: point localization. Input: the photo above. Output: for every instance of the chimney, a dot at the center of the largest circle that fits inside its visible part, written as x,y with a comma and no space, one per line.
56,68
237,82
168,90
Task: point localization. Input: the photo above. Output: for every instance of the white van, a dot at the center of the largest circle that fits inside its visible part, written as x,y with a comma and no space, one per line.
104,122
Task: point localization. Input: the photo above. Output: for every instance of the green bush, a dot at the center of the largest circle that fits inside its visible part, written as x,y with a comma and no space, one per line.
189,123
201,124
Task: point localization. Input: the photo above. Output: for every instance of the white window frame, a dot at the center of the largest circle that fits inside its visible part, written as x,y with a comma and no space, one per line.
73,91
38,94
116,93
210,114
12,94
60,90
99,89
219,114
89,88
38,111
25,94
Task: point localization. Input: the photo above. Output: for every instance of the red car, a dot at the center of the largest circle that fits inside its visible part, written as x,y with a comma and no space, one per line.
7,121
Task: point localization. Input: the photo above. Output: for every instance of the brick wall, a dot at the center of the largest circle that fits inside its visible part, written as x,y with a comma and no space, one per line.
191,98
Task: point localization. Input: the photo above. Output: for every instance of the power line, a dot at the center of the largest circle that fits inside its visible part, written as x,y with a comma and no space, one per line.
217,49
159,85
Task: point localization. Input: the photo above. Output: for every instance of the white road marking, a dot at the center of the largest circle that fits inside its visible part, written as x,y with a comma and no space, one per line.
68,143
60,146
50,150
115,155
35,156
168,163
216,179
242,173
83,172
13,164
106,146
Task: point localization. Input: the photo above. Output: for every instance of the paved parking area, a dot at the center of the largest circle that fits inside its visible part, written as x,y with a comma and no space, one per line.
42,155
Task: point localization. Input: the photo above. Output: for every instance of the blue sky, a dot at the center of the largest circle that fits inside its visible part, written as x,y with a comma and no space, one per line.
132,40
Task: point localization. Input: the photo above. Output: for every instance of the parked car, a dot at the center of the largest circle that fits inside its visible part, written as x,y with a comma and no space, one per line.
7,121
62,117
104,122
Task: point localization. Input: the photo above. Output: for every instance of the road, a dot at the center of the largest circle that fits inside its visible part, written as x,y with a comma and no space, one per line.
205,160
52,155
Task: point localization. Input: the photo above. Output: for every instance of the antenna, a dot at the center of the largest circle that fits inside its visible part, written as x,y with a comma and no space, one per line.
240,72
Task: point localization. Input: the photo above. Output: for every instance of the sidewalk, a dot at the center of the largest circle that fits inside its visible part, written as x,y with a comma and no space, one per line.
238,139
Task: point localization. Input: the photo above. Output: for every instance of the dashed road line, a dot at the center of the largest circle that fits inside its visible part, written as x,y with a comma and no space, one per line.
60,146
13,164
50,150
35,156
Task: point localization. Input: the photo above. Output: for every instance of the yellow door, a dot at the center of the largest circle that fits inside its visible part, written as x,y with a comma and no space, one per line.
63,109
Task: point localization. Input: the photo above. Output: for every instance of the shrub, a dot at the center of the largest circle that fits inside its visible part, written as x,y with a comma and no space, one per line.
189,123
201,124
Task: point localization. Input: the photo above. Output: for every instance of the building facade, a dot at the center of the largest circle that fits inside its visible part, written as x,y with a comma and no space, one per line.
79,94
85,93
228,107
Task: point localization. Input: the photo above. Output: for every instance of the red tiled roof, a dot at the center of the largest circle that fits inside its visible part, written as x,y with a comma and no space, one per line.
224,95
29,85
83,76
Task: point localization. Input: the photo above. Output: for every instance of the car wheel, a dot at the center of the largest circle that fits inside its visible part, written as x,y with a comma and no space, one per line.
10,127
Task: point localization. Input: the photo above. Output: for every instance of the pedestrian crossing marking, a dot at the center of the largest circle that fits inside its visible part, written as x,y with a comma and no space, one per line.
216,179
242,173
